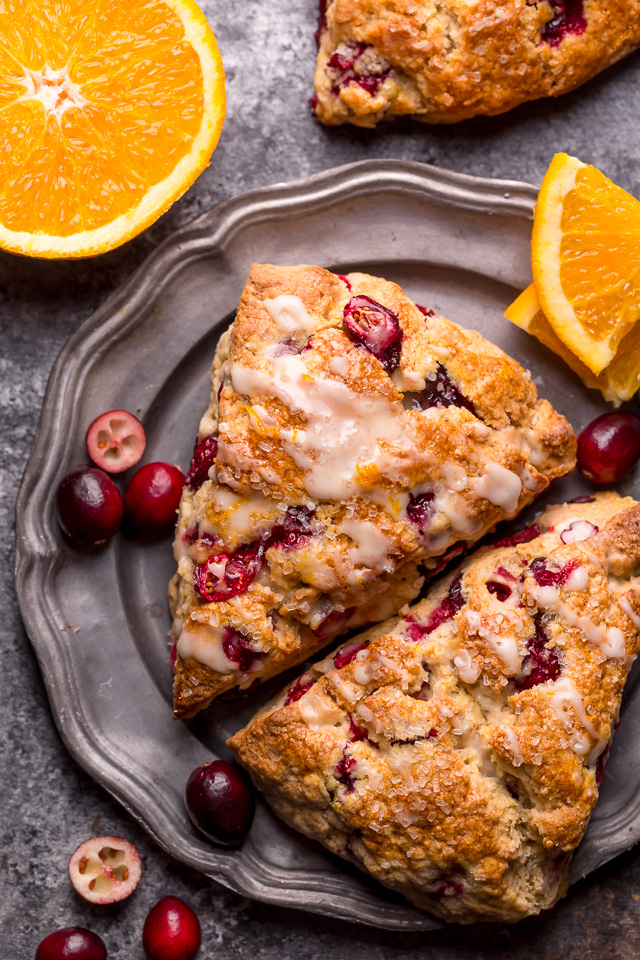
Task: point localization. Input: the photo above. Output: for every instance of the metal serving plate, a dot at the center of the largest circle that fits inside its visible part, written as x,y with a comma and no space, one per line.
98,618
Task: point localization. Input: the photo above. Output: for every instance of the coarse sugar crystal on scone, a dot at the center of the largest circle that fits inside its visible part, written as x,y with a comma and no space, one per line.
455,752
445,62
354,442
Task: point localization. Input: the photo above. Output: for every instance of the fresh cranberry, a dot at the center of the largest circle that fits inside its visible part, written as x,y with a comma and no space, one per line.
550,576
446,609
152,496
358,734
116,441
171,931
425,311
89,505
105,869
579,530
369,324
344,67
601,764
298,690
236,571
343,772
348,654
345,59
345,280
446,886
520,536
500,590
220,802
609,447
440,392
334,622
294,529
568,17
322,26
541,663
237,649
584,499
420,508
451,553
71,943
204,457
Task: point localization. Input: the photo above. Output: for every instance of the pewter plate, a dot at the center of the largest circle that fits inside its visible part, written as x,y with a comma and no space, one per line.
98,619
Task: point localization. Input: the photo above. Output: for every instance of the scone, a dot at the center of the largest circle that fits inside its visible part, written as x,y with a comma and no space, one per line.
352,437
444,62
455,753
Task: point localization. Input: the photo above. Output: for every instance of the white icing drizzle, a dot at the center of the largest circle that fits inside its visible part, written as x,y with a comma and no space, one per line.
454,476
204,643
372,547
536,454
577,580
499,486
628,609
318,712
289,314
610,640
241,515
468,671
561,693
339,366
454,508
505,647
512,743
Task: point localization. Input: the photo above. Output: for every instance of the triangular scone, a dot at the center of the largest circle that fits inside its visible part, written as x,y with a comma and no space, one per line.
455,753
351,436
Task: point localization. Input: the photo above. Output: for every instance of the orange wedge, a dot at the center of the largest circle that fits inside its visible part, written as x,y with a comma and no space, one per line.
617,382
108,113
585,255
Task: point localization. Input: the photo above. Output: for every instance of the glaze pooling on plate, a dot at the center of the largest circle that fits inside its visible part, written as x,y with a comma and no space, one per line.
351,437
455,753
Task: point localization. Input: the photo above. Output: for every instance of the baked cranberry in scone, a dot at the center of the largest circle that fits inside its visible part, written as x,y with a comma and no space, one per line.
444,62
353,441
455,752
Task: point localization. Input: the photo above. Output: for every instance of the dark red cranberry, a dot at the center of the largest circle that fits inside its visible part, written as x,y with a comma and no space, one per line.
358,734
601,764
152,497
89,505
334,622
349,653
446,609
609,447
204,457
541,663
520,536
343,772
298,690
71,943
345,280
420,508
546,575
451,553
221,802
240,569
568,17
343,60
322,25
584,499
313,105
440,392
446,886
294,529
425,311
500,590
171,931
237,649
369,324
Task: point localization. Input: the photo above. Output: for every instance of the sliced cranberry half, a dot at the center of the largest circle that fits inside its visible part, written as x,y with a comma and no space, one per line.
171,931
374,327
105,869
568,17
237,648
204,457
71,943
440,392
116,441
609,447
226,575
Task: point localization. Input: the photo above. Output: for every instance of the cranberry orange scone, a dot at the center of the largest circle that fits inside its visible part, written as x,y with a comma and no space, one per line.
352,436
455,753
444,62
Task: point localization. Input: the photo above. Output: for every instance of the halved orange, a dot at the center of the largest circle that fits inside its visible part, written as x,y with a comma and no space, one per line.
108,113
585,255
617,382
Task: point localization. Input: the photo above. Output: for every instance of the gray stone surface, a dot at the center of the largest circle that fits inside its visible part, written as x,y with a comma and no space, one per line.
48,805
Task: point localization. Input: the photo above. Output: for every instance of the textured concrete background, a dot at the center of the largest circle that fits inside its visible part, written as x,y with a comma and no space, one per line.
47,804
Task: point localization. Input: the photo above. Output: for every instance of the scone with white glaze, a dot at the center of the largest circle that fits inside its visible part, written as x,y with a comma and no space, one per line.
353,440
445,62
455,753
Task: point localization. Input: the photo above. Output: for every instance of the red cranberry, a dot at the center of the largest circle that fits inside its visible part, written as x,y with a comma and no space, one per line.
294,529
116,441
234,574
446,609
152,496
237,649
89,505
568,17
298,690
358,734
72,943
105,869
420,508
220,802
520,536
541,663
500,590
204,456
369,324
345,280
609,447
343,772
334,622
345,59
348,654
440,392
171,931
601,764
550,576
425,311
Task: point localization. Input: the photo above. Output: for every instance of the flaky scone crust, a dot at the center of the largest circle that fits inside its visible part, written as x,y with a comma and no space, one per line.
434,757
366,555
445,62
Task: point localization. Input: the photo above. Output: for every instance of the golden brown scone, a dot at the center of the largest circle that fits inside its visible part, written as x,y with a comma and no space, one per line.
351,438
455,753
444,62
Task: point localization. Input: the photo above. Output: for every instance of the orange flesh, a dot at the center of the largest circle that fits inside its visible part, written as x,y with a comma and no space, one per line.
124,103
